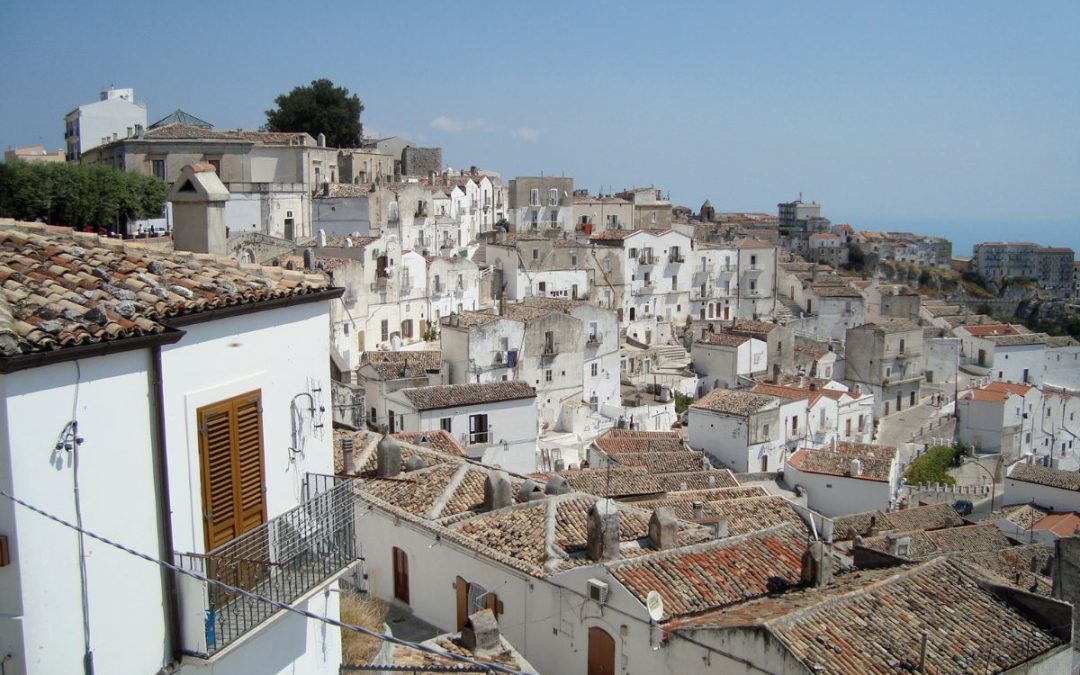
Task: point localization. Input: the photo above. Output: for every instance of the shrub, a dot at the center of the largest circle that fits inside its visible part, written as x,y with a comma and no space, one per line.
934,464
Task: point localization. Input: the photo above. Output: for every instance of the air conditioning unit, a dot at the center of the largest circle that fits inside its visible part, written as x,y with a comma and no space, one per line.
597,590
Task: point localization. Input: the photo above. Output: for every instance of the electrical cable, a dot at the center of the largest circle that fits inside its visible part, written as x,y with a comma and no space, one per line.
485,667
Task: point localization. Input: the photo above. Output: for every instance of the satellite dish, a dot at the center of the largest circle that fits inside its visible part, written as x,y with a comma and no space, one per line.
655,604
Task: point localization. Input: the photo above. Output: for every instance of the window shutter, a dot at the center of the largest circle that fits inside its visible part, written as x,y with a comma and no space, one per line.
233,473
215,444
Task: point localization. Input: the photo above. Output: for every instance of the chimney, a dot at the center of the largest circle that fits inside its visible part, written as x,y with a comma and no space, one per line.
198,199
603,535
322,238
699,510
347,455
309,259
480,634
663,528
816,565
712,481
720,528
321,140
856,467
527,488
776,373
498,493
387,457
414,463
556,485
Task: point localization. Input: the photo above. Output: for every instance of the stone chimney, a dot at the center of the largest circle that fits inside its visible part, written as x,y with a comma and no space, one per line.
603,536
527,489
309,259
198,197
720,528
663,528
387,457
480,634
498,493
321,140
699,510
347,455
556,485
816,565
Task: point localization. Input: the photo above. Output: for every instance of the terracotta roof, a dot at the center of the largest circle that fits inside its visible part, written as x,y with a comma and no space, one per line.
1061,524
931,517
733,402
452,395
682,503
398,365
715,574
1023,515
753,327
929,543
188,131
854,449
1041,475
613,482
663,462
751,514
874,621
787,393
416,661
723,339
1025,567
1018,340
525,313
836,464
470,319
62,289
617,441
439,440
697,480
990,329
344,190
891,326
831,291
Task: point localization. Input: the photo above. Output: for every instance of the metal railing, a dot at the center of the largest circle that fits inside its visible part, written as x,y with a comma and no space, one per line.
281,559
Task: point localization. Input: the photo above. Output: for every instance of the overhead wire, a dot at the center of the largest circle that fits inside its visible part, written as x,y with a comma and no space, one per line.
485,667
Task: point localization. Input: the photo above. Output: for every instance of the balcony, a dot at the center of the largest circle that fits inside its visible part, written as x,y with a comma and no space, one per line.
676,258
593,340
753,269
550,350
646,259
282,559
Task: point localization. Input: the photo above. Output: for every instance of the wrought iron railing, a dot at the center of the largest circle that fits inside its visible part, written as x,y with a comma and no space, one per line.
281,559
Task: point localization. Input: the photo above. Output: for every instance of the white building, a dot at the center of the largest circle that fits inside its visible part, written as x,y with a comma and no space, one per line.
382,373
738,430
846,478
1008,353
189,438
453,286
726,360
1000,418
494,421
115,115
1049,488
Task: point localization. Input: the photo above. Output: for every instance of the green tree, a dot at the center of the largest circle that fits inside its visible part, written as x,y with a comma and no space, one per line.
321,107
76,196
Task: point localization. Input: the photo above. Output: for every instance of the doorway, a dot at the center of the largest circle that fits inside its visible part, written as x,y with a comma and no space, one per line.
401,575
601,652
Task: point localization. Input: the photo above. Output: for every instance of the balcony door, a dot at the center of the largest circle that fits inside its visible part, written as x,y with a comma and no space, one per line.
233,472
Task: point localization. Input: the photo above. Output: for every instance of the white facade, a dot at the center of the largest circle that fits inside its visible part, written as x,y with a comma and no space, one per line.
116,115
507,442
1024,492
747,443
722,365
834,495
213,361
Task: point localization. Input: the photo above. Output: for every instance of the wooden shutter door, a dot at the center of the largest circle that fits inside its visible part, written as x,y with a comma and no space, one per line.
215,448
231,453
251,474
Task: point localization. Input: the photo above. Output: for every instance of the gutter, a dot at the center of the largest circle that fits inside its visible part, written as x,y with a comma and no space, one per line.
159,458
12,364
252,307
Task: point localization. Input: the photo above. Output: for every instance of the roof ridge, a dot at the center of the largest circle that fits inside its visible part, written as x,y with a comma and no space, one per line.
705,545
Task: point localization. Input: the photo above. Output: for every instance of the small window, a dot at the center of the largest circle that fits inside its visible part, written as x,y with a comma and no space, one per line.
553,198
534,197
158,168
536,254
547,375
446,424
594,369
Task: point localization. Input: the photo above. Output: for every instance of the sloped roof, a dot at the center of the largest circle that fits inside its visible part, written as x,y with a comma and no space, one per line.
181,117
452,395
733,402
1041,475
62,289
402,364
836,464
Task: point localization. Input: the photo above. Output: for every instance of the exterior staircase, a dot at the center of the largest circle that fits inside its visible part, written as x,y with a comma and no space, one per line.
786,310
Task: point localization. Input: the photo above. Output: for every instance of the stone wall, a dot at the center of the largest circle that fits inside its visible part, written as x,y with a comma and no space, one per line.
420,161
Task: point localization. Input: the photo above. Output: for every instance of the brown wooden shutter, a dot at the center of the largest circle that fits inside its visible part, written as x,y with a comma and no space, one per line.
233,474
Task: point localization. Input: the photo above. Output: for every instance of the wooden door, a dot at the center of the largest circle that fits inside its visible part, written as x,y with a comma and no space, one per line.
233,471
461,588
601,652
401,575
899,402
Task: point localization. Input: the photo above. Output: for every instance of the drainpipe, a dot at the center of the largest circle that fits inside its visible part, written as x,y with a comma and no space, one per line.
164,507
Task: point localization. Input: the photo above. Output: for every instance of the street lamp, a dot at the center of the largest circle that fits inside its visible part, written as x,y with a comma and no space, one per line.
993,481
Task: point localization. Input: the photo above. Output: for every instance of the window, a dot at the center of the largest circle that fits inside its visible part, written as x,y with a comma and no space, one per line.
536,254
233,473
158,168
753,261
542,287
393,211
406,328
385,329
445,424
847,427
547,375
765,430
553,198
478,428
549,342
216,163
534,197
794,425
901,346
573,260
594,369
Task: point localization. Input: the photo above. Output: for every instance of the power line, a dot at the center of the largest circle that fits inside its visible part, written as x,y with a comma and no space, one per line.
484,667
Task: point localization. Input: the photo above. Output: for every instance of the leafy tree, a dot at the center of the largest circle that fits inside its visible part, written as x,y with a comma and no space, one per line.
76,196
682,402
856,257
321,107
933,465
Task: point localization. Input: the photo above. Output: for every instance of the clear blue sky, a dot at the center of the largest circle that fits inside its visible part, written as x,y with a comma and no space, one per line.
958,118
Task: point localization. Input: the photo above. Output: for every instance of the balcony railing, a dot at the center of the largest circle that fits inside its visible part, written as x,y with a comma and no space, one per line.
593,340
645,259
282,560
551,350
676,258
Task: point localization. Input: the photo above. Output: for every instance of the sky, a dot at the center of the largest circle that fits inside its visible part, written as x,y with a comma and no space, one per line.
960,119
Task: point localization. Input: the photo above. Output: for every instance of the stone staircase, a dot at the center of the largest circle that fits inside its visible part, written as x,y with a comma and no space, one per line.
786,310
671,356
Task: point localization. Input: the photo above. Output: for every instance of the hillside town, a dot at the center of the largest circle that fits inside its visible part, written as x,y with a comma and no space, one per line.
523,426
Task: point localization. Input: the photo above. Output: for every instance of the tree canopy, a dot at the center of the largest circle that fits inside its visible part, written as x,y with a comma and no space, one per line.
76,195
321,107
